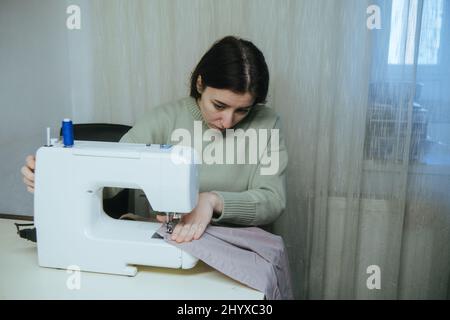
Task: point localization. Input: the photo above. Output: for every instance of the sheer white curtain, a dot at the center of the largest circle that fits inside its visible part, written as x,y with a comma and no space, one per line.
372,175
366,116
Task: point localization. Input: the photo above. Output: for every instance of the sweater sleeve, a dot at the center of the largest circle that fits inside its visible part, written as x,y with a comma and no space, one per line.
151,128
265,198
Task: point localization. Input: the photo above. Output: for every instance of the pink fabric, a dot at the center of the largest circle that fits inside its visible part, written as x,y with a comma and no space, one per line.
249,255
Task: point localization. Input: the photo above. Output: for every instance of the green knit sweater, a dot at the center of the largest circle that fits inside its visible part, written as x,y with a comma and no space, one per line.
250,198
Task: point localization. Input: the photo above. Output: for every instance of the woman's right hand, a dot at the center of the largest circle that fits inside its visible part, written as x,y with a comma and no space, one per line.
28,172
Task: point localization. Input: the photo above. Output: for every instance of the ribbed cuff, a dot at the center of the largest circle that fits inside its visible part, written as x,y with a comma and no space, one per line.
238,208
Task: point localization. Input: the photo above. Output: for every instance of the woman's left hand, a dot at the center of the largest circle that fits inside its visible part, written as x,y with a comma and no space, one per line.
193,225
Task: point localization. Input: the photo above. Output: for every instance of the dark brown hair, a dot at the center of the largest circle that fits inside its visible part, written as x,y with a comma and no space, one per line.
233,64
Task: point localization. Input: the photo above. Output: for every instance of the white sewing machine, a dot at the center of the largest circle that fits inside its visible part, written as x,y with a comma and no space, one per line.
72,228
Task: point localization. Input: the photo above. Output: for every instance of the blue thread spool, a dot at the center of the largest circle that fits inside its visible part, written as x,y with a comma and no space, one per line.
67,131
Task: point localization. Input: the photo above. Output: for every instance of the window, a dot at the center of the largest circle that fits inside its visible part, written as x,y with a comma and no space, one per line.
403,32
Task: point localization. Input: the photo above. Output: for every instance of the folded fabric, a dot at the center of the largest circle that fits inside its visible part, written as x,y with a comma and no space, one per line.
249,255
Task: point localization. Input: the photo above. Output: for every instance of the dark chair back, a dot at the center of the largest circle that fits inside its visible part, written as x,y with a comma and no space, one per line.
107,132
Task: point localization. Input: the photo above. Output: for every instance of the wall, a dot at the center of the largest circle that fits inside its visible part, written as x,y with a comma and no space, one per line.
34,89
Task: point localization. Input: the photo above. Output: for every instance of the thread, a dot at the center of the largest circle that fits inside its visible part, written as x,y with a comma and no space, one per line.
67,131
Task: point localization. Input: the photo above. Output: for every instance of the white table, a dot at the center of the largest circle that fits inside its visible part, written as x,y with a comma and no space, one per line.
22,278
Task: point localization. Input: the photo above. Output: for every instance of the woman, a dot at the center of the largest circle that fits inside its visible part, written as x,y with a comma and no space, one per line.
228,89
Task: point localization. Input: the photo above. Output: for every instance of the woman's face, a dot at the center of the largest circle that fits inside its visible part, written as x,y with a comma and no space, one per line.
223,109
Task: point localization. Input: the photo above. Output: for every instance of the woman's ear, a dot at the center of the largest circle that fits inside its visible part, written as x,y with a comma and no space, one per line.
199,84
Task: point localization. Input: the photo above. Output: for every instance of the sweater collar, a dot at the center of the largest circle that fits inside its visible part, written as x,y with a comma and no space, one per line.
194,109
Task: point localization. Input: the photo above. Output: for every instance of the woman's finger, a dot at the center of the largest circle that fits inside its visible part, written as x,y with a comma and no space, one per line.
27,173
183,233
176,231
28,183
190,234
31,162
199,231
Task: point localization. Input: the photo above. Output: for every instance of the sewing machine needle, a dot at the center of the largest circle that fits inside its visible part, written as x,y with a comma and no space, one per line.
169,224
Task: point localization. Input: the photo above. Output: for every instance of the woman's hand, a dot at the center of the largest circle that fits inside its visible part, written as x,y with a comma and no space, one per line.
192,225
28,172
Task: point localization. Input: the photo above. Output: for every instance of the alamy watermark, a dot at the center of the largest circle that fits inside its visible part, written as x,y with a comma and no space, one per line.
374,280
233,146
73,282
374,19
73,21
